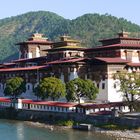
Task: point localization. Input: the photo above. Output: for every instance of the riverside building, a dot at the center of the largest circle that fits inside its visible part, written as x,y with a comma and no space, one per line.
66,59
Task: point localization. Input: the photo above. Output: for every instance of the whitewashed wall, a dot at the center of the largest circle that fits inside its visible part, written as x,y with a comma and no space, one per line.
73,74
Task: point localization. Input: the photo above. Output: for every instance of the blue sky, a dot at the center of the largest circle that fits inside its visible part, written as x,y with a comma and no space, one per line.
128,9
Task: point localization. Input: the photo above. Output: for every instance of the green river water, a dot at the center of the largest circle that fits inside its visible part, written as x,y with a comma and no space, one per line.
18,130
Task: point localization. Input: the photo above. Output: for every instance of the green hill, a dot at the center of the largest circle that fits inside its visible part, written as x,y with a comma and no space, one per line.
88,28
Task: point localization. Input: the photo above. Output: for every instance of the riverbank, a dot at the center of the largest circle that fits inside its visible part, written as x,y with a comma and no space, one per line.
18,130
115,134
47,126
122,135
49,120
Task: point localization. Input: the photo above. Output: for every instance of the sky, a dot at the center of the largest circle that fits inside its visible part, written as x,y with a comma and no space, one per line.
70,9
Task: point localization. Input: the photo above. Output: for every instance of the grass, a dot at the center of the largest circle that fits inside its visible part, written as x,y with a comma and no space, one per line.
116,127
65,123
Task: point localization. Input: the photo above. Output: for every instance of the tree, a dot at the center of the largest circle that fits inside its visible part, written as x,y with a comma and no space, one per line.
50,87
129,85
14,87
91,90
78,88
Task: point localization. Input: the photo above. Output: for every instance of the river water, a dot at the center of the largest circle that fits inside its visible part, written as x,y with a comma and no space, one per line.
17,130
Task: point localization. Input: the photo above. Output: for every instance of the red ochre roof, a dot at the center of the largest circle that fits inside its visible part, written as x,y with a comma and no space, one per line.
23,68
113,46
29,59
67,61
3,99
111,60
63,48
133,64
122,38
93,106
35,42
44,66
64,104
50,103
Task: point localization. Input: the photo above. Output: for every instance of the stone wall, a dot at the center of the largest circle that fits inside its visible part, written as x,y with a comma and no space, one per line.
132,122
56,116
47,117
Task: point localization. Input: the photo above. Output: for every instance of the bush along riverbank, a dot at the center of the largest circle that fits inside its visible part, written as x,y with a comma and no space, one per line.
54,122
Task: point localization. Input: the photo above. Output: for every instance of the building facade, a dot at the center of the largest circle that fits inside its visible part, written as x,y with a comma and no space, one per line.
67,60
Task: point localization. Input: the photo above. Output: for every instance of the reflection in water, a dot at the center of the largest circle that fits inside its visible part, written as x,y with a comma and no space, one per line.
20,131
16,130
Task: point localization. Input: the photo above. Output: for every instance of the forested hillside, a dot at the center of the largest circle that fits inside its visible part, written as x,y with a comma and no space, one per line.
88,28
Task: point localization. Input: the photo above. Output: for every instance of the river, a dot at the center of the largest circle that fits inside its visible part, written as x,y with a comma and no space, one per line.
18,130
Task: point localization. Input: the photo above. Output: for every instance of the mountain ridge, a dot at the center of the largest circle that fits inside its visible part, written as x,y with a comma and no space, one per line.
88,28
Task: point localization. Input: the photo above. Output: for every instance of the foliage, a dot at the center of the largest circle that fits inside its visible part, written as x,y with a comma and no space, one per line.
90,89
14,87
78,88
129,84
50,87
88,28
112,126
65,123
74,89
137,106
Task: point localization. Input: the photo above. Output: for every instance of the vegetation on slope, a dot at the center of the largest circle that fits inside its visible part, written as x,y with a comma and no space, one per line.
88,28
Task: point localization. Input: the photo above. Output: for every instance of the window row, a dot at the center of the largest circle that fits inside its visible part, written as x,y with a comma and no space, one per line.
45,107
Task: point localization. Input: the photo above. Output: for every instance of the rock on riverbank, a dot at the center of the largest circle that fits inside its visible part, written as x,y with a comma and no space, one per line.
48,126
119,135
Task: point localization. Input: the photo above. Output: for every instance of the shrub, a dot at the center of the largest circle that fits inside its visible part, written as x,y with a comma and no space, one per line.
65,123
114,127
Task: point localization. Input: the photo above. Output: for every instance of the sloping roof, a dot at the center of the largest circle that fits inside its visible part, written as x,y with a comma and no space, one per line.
69,47
122,38
102,105
50,103
65,48
23,68
111,60
30,59
36,42
3,99
113,46
133,64
73,60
